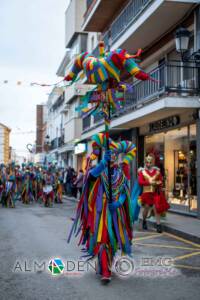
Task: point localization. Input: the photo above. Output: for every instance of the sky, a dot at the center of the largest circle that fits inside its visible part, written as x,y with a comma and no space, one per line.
32,46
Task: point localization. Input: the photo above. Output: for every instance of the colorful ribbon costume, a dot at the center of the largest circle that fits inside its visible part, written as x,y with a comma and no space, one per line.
104,227
106,73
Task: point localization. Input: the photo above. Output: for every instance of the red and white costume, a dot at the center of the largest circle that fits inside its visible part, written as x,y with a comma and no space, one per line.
151,180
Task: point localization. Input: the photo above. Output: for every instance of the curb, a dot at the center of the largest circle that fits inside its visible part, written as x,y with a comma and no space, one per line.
169,229
152,224
72,199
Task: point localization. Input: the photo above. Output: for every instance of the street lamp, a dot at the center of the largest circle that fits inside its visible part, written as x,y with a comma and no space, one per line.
182,38
46,143
47,137
46,147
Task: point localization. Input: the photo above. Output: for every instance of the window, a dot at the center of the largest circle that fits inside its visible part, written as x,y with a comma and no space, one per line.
175,155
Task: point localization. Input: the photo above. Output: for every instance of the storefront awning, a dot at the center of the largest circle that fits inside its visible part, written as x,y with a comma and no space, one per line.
66,148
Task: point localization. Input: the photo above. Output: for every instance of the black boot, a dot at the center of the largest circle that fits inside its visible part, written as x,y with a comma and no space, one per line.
144,225
159,228
105,280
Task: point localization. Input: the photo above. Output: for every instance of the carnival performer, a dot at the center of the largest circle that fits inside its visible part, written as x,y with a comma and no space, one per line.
79,182
59,187
39,185
2,184
48,193
150,179
27,193
10,188
18,176
105,227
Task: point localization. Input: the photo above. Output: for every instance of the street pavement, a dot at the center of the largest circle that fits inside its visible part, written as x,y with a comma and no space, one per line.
33,235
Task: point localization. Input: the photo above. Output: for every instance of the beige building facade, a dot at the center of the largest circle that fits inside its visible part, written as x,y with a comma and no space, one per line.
4,144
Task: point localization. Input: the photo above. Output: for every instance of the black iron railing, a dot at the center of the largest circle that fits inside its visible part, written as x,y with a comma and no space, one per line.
86,123
57,142
54,144
105,38
127,17
169,79
61,141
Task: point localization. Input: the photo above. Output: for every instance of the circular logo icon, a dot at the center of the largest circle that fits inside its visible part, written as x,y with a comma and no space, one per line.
56,266
124,266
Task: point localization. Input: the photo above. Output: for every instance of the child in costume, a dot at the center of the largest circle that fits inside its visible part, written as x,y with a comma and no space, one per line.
150,179
106,227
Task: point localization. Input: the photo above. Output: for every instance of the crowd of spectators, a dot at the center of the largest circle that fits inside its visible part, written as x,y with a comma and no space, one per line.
73,182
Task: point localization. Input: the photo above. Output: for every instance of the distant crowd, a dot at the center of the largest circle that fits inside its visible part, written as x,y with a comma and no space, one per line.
32,183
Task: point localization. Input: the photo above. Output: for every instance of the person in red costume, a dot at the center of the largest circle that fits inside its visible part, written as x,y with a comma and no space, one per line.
151,180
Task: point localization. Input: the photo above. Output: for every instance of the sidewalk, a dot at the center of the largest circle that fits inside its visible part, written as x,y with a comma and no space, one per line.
182,226
70,198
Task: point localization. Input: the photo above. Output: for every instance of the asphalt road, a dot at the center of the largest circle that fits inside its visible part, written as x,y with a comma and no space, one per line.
30,236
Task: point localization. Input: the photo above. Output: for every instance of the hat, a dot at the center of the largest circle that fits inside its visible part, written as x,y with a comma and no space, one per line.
126,147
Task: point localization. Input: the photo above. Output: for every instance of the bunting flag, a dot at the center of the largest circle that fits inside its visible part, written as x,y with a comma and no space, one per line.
31,84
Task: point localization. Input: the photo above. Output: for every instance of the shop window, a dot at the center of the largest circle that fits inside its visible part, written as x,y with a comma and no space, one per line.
193,168
155,144
175,153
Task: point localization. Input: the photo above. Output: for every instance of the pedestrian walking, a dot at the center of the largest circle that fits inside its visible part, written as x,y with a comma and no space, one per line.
79,182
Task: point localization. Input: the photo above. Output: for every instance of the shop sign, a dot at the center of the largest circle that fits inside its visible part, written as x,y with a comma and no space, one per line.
164,123
80,148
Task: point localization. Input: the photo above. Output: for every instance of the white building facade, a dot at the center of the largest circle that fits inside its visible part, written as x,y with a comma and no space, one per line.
160,116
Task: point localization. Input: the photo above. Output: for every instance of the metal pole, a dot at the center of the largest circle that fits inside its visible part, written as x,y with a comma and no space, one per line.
108,148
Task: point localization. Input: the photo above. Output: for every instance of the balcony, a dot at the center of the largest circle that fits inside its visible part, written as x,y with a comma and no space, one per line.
172,80
86,123
73,129
128,16
136,26
54,144
99,13
58,103
73,20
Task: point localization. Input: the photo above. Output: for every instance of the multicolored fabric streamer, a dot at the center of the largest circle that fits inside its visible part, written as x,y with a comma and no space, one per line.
105,72
125,147
102,69
104,232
